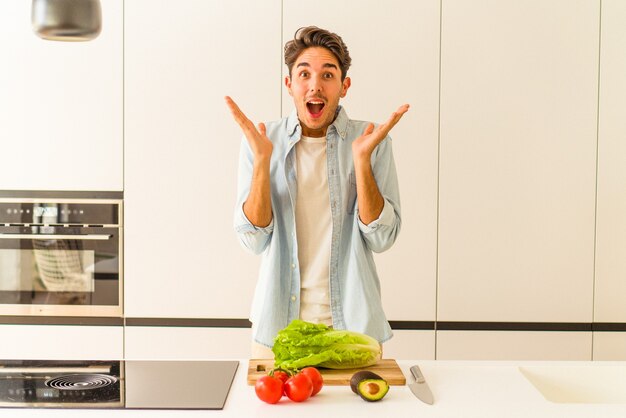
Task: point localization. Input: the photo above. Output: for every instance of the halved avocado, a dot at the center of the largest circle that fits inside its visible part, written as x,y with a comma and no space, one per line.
362,375
372,390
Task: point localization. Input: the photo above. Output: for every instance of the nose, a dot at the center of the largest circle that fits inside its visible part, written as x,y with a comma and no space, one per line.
315,85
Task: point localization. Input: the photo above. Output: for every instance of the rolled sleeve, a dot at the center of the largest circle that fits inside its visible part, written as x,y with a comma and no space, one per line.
381,233
386,218
251,237
243,225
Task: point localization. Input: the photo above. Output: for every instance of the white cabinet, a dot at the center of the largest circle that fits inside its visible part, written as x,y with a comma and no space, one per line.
609,346
62,342
61,105
394,47
154,342
410,344
513,345
182,257
517,160
610,283
186,343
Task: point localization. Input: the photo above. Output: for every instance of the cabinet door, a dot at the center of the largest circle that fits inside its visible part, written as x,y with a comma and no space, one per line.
394,47
186,343
61,105
410,345
62,342
609,346
610,286
182,256
517,160
513,345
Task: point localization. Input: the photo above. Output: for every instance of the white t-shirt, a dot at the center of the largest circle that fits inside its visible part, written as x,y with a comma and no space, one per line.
313,230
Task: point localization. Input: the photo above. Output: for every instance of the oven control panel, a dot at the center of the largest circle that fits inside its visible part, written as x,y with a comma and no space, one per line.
62,213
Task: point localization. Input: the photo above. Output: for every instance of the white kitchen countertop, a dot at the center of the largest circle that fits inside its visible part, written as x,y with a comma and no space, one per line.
461,389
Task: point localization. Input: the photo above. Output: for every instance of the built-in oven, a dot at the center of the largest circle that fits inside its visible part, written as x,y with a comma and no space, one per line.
61,257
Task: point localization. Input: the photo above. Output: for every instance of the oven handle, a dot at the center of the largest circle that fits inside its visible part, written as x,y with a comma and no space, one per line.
94,237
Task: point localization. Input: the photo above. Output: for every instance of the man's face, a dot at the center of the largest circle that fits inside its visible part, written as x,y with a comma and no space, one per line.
316,87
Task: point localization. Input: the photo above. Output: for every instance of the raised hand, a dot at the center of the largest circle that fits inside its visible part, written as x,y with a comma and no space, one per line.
259,142
363,146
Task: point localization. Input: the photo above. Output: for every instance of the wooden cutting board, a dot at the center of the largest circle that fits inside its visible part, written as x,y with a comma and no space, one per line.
386,368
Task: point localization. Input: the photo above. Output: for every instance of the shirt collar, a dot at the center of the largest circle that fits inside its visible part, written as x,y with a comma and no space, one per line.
340,124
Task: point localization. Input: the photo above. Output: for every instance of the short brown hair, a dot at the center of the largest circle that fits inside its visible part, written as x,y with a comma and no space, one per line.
312,36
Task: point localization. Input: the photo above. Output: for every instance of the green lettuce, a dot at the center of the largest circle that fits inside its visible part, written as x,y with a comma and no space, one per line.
303,344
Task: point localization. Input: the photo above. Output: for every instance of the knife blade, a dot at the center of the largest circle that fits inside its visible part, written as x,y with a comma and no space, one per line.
420,388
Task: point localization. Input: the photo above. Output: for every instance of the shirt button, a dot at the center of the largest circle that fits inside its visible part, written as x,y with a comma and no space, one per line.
293,298
293,266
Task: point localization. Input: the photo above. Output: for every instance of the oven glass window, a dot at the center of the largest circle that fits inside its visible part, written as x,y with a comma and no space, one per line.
58,272
49,268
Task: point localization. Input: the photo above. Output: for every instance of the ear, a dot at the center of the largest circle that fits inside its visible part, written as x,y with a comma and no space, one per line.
345,86
288,84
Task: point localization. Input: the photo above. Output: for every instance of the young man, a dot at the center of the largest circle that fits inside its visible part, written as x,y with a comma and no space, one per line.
317,194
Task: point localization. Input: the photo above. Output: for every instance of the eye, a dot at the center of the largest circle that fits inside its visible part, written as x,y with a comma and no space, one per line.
328,75
304,74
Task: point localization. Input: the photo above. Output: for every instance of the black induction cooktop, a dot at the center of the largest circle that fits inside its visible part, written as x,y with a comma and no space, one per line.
115,384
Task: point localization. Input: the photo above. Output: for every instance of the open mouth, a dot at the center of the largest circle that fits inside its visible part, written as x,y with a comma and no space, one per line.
315,107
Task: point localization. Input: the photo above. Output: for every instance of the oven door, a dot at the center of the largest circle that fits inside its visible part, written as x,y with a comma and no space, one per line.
60,271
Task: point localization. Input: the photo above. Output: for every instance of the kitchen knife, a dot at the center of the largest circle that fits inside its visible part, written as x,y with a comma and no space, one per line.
420,388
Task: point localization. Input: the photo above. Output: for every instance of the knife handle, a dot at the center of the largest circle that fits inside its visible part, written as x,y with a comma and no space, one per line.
417,374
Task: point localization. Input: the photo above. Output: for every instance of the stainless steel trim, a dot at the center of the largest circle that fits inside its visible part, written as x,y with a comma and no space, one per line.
122,380
63,310
64,405
120,268
65,194
47,225
93,237
120,218
51,370
59,200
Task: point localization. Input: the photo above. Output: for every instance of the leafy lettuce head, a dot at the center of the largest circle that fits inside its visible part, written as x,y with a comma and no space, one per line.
303,344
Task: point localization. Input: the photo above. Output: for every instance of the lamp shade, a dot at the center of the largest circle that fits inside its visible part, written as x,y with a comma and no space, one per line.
67,20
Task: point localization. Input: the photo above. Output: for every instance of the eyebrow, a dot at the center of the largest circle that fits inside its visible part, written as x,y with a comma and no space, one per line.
326,65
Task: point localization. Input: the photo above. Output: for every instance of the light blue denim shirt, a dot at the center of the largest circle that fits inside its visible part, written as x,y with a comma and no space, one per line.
355,299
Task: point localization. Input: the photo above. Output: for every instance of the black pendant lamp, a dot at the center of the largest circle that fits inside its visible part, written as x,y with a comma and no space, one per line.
67,20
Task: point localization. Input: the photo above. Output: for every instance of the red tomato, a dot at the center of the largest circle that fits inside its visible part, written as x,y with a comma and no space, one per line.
281,374
316,379
298,388
269,389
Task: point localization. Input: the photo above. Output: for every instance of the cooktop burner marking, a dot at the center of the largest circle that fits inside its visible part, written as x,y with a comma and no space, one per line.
81,381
